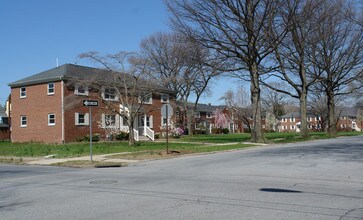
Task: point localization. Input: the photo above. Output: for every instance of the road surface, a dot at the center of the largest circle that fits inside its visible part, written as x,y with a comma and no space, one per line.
311,180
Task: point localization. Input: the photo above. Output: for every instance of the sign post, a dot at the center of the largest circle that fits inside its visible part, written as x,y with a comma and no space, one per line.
90,104
166,112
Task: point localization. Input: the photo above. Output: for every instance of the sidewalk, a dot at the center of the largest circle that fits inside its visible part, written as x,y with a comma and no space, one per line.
48,160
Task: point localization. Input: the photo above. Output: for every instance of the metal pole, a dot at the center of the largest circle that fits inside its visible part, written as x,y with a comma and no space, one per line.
90,131
167,131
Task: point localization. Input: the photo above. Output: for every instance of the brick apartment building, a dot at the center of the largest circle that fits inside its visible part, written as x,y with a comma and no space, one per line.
291,122
347,120
48,106
204,118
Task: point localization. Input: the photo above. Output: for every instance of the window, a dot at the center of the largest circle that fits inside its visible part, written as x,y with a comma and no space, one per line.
285,127
343,125
109,94
110,120
50,88
145,97
23,121
81,90
51,119
22,92
165,98
81,119
292,126
292,119
197,115
149,121
209,114
163,121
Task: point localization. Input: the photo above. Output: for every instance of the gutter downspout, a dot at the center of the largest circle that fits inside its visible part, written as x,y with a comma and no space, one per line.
62,106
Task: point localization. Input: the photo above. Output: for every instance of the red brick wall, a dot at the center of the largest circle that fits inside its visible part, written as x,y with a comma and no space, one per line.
36,107
73,104
4,134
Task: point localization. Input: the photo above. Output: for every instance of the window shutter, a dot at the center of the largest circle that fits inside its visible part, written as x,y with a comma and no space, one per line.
151,121
86,119
117,121
103,120
76,118
86,90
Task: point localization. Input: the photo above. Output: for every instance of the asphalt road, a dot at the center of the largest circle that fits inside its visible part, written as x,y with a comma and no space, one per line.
313,180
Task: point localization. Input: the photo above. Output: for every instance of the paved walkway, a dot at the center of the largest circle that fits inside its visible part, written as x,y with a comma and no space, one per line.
48,160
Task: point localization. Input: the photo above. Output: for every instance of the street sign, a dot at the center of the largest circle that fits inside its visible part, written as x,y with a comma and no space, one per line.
166,111
90,103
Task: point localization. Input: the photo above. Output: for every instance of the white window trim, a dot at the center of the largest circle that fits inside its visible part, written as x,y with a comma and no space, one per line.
21,121
49,123
144,94
86,119
108,99
162,121
76,91
211,115
197,115
22,96
167,98
50,93
117,121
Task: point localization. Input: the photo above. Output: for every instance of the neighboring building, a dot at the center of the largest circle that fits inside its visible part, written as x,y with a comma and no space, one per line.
47,107
291,122
348,119
205,121
4,125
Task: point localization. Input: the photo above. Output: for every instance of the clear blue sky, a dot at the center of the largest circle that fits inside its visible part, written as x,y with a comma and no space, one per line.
36,32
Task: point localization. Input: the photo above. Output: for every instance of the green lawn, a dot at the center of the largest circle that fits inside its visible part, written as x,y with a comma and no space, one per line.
79,149
195,144
270,137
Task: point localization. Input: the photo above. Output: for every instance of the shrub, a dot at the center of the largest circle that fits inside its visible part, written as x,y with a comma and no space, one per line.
95,138
215,130
157,136
122,136
225,130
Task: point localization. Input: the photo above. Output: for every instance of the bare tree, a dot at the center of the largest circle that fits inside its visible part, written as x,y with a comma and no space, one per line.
338,55
239,106
274,101
238,32
292,55
126,84
180,64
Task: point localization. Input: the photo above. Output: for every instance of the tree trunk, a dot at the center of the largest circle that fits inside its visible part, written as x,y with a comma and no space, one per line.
131,133
303,115
256,132
332,129
190,121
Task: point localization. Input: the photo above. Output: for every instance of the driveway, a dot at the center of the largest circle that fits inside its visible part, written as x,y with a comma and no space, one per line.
311,180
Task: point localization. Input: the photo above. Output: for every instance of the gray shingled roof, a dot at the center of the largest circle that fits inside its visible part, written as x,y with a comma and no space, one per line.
71,71
296,115
209,108
51,75
346,111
